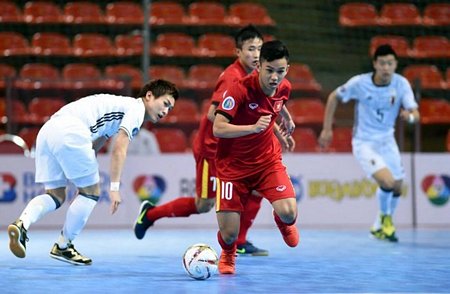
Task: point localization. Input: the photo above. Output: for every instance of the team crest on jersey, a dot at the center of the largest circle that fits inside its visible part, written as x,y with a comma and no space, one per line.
135,132
277,106
253,105
228,103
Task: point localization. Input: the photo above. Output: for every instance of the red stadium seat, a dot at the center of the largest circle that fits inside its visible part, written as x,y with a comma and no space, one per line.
124,13
306,110
13,44
185,112
10,13
207,13
400,44
42,12
81,76
38,76
400,14
174,44
171,140
83,12
302,79
18,113
168,13
3,118
44,44
125,72
29,135
429,76
203,76
244,13
93,45
358,14
437,14
41,108
216,45
6,72
434,111
129,45
342,140
431,47
172,73
12,144
305,140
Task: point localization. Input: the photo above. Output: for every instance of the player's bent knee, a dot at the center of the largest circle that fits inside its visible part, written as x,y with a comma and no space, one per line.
204,205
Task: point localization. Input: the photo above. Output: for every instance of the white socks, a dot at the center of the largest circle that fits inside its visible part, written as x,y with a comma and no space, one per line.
384,200
76,218
36,209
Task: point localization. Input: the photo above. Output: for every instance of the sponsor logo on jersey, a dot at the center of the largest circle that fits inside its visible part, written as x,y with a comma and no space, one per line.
281,188
228,103
253,105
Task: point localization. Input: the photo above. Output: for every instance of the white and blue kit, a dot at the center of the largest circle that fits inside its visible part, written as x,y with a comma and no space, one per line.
376,110
64,143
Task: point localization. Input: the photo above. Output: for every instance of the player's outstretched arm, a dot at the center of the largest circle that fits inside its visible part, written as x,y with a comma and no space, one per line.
118,156
327,132
222,128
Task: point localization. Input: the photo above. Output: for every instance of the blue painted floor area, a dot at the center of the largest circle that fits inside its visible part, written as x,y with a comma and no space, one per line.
325,262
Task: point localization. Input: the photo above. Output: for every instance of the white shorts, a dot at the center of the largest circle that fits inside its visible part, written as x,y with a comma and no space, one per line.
64,152
373,156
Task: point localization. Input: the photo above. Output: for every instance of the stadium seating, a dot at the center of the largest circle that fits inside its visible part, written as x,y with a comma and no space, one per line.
400,44
93,45
399,14
6,71
306,111
431,47
185,112
305,140
358,14
207,13
244,13
42,12
171,140
83,12
429,76
29,135
3,118
447,77
41,108
38,76
124,13
174,45
342,140
302,79
19,113
10,13
13,44
216,45
12,144
434,111
437,14
54,44
125,72
129,45
81,76
172,73
203,76
168,13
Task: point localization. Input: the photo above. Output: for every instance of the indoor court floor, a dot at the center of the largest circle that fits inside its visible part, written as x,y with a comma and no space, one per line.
326,261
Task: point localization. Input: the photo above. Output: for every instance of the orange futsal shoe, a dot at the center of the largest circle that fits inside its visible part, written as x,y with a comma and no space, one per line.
227,262
290,233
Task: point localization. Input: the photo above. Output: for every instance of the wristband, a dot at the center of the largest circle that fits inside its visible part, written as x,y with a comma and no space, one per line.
411,118
114,186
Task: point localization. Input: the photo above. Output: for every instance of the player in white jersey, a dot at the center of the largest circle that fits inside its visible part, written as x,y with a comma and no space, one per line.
66,150
380,97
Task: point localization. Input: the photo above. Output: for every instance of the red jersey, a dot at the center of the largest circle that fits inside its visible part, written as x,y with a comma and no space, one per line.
205,143
244,104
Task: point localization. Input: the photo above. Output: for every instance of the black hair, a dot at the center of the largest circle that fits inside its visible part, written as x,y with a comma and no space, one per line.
249,32
273,50
384,50
159,88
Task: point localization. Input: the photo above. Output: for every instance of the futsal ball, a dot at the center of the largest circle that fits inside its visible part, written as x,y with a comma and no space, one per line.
200,261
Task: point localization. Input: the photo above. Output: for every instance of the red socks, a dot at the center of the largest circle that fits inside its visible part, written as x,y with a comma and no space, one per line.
183,206
251,208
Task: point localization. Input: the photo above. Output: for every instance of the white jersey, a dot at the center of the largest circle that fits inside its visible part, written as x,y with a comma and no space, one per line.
105,114
377,107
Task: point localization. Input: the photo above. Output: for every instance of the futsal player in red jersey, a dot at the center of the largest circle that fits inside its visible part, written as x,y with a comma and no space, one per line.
248,46
248,155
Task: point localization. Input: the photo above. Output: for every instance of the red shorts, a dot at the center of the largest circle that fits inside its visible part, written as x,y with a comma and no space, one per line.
205,178
273,183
